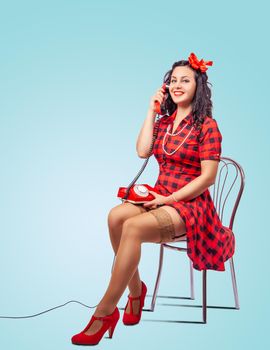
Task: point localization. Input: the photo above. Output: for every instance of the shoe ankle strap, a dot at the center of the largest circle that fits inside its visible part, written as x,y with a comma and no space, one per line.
102,318
106,317
134,298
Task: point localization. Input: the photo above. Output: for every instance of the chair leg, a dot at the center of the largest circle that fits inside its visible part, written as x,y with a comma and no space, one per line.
153,301
204,306
192,295
236,299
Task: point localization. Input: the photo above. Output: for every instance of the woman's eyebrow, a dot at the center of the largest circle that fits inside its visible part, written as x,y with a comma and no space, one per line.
182,76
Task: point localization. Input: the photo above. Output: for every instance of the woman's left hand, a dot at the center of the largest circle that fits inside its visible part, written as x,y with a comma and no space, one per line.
159,200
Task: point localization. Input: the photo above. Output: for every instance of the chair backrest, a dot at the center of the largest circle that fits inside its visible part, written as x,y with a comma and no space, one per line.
227,189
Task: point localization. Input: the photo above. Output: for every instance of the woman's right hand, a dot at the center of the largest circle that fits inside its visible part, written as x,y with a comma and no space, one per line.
159,96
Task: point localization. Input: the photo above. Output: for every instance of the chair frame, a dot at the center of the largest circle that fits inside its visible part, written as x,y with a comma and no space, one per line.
217,199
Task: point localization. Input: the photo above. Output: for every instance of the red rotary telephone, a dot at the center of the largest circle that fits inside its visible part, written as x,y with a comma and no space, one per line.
139,193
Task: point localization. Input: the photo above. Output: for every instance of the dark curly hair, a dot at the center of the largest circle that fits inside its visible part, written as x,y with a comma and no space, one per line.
201,103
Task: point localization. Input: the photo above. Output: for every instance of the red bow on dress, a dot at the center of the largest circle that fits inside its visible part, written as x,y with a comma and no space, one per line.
196,64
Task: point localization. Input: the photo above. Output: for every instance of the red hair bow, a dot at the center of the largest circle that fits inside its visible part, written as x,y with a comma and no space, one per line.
196,64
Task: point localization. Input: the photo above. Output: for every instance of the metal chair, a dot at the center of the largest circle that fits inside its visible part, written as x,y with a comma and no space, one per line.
225,182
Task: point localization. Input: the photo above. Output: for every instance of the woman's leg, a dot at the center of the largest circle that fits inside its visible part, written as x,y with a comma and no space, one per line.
143,228
116,218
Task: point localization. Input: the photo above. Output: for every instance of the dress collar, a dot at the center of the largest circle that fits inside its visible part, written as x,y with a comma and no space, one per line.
170,119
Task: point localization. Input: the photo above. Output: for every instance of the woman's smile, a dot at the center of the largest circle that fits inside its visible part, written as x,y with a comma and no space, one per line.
178,93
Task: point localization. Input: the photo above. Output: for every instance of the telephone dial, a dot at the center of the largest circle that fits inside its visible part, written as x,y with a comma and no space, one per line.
139,193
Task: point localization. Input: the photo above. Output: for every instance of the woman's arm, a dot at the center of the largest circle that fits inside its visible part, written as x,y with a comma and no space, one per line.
145,137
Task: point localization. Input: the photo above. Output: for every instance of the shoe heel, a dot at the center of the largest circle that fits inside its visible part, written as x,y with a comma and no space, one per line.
111,330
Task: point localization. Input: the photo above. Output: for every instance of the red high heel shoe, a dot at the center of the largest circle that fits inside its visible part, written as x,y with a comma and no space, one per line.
109,323
131,319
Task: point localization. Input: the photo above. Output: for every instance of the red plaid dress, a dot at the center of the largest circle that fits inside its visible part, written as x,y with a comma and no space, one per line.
209,243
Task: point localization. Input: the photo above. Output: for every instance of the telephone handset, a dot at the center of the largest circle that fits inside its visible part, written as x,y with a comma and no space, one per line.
139,193
160,108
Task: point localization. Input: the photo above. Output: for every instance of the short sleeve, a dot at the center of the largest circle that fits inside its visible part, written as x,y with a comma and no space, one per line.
210,140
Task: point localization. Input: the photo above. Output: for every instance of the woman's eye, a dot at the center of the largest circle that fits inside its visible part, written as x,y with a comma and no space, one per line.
186,81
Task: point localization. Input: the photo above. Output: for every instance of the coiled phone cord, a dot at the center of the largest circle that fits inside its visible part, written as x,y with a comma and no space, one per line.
155,132
146,161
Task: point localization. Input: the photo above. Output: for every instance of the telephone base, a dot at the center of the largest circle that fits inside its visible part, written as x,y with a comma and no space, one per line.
131,201
138,193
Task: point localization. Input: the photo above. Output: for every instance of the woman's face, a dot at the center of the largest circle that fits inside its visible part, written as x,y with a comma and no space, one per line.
182,85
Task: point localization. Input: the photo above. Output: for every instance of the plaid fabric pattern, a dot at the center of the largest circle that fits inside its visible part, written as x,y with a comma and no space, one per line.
209,243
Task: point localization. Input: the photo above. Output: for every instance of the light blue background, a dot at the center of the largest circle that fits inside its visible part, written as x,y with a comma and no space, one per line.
76,82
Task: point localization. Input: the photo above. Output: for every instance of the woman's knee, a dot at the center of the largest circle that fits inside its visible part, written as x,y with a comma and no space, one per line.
115,217
122,212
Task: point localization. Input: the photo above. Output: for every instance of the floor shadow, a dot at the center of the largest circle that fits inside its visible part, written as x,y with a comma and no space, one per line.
180,305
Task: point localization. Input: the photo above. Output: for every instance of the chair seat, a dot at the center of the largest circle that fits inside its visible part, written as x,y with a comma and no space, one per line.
180,239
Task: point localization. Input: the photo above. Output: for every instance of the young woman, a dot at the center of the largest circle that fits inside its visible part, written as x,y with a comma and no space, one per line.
188,150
